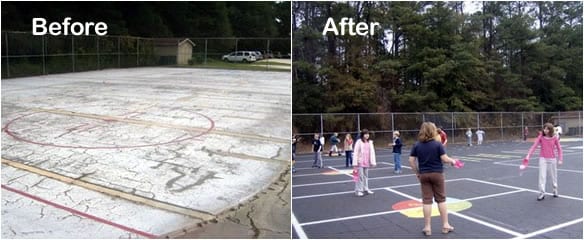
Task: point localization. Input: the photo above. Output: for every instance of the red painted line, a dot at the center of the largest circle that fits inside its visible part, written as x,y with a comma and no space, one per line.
76,212
7,130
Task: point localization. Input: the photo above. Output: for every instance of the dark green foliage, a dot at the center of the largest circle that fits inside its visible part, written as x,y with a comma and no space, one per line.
509,56
160,19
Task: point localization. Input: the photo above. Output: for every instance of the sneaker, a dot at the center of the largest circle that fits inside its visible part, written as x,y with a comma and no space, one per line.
541,196
359,194
369,192
556,193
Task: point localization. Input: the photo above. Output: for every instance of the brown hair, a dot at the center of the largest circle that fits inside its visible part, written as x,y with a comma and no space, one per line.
550,127
363,132
427,132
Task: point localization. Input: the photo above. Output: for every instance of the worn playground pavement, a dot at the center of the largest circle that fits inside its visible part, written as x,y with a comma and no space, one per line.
143,152
253,219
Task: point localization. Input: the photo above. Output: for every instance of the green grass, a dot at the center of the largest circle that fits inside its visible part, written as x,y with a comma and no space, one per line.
265,62
256,66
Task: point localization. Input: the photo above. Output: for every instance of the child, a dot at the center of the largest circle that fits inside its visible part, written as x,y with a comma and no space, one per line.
469,137
480,135
443,138
348,146
547,159
334,142
397,149
317,148
364,159
558,131
295,139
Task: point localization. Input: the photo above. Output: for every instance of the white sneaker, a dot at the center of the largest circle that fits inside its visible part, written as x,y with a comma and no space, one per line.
556,193
369,192
359,194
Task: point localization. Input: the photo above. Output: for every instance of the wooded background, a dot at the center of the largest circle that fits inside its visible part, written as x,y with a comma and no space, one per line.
160,19
432,56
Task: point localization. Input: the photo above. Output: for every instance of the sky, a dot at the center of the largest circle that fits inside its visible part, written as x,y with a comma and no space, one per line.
471,7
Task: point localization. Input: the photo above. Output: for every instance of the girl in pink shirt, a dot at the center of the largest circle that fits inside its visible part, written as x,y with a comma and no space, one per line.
547,158
364,159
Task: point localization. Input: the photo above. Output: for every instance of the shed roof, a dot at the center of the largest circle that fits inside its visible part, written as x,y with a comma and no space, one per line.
166,42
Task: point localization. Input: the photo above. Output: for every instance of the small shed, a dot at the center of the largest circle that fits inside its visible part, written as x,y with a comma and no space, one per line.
571,123
174,51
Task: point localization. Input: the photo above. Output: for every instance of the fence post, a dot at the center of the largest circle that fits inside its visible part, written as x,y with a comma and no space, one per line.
580,123
137,52
522,122
502,134
268,48
119,53
392,123
358,122
8,56
205,51
97,41
44,49
452,125
321,126
478,120
73,52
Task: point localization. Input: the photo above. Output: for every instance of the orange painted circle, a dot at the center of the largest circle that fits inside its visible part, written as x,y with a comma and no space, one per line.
413,208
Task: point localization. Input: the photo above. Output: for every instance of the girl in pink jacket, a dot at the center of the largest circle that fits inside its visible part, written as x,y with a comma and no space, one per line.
364,159
547,159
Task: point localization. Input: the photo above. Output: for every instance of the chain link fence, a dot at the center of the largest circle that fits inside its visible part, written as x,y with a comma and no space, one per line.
498,126
24,54
209,49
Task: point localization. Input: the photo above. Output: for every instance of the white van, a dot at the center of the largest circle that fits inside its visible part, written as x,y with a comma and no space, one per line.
239,56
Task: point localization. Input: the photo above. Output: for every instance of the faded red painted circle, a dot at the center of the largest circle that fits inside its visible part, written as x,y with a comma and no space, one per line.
7,130
406,204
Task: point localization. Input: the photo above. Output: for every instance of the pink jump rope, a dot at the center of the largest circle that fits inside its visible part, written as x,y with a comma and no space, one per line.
458,163
524,164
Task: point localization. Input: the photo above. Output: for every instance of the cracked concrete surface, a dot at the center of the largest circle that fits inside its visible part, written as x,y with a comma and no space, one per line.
194,139
267,215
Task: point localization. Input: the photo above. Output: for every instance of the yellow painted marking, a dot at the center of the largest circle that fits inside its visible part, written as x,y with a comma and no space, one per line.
109,191
455,206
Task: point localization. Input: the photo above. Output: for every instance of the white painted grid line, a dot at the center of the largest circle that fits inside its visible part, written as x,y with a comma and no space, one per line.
396,211
335,168
520,188
549,229
373,189
298,228
467,217
347,181
339,171
535,167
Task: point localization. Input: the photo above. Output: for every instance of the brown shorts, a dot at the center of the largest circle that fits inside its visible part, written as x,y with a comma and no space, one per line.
432,186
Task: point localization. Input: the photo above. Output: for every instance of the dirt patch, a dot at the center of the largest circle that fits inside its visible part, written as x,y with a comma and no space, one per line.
266,215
